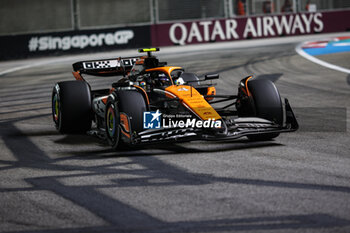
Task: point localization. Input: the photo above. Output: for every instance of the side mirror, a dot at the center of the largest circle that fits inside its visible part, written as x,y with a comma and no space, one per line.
211,76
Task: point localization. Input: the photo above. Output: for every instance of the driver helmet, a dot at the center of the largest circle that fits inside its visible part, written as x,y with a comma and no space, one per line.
163,79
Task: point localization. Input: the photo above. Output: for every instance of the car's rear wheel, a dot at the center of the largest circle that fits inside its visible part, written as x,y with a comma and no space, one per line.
71,107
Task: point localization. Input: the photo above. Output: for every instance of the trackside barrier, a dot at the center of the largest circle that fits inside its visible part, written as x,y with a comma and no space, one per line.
57,43
175,33
182,33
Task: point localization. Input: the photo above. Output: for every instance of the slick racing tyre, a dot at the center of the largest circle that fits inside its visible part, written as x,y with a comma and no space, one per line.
71,107
133,105
267,104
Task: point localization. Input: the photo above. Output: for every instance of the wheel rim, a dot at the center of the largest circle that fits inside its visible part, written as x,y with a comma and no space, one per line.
111,121
55,108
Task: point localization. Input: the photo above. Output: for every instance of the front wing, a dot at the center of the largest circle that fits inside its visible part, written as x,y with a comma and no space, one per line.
231,130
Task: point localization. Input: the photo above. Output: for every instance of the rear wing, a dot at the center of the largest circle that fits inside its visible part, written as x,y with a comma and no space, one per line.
106,67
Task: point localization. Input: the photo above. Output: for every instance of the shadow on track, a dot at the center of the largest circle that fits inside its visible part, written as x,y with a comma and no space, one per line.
151,171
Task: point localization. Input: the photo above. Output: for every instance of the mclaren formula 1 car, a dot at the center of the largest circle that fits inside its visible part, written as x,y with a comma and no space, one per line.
151,102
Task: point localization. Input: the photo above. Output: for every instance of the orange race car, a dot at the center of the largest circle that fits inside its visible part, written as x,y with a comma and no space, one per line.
153,102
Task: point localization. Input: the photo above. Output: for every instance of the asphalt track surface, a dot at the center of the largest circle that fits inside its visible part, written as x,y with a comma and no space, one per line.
298,182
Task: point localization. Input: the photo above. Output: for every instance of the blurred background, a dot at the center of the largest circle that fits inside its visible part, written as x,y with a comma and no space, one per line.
32,16
49,27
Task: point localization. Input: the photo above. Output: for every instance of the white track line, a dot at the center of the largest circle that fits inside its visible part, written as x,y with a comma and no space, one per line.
53,60
22,68
35,64
302,53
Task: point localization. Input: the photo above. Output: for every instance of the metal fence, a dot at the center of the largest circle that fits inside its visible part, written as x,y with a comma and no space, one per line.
108,13
254,7
27,16
31,16
185,9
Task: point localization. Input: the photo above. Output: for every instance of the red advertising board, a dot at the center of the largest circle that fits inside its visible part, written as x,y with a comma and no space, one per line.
194,32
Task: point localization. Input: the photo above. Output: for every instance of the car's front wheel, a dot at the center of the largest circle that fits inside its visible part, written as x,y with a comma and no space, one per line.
112,121
262,100
124,117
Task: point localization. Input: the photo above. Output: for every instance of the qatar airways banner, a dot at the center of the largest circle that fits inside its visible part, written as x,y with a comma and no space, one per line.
182,33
